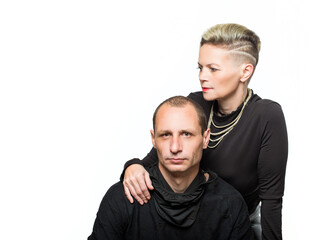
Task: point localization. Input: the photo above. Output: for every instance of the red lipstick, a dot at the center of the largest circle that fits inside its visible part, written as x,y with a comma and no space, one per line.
204,89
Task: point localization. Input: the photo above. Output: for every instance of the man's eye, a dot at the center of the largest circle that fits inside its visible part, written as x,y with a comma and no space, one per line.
165,135
200,68
187,134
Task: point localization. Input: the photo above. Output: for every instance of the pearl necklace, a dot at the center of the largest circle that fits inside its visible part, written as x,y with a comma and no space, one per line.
228,127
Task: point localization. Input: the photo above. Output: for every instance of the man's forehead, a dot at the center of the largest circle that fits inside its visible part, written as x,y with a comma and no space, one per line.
184,107
168,110
180,118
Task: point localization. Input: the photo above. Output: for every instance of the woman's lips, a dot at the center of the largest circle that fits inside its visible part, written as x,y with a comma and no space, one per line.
205,89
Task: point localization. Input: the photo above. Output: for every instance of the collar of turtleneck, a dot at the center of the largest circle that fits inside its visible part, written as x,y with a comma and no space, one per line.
226,118
179,209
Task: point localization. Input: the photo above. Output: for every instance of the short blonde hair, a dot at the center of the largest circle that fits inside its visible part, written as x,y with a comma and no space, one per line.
239,40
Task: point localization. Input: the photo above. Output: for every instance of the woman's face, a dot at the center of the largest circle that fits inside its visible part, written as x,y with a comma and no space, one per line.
219,73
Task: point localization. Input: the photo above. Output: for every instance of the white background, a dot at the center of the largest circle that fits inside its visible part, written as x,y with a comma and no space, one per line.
80,81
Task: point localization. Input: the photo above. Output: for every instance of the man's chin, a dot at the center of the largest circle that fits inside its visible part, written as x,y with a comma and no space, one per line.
177,169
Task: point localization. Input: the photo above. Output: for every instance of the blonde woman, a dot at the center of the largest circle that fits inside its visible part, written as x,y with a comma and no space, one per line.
248,146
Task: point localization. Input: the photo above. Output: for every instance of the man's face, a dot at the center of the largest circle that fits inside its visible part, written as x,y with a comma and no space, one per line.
178,139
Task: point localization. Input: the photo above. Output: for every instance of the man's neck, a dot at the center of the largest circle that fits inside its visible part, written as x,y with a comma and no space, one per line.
179,182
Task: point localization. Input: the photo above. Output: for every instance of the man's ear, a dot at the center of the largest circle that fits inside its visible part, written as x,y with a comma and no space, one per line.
206,136
152,137
247,71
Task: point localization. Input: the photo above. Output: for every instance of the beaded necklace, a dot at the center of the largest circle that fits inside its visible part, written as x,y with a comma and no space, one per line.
226,128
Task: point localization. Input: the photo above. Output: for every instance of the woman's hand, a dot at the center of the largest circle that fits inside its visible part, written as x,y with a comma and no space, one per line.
136,183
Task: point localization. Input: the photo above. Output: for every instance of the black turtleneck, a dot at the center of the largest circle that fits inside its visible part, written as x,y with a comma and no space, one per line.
206,210
179,209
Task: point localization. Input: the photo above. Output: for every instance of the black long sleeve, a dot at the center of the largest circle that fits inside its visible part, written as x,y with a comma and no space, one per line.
253,158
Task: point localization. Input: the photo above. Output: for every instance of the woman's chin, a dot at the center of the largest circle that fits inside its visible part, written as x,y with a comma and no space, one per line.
208,96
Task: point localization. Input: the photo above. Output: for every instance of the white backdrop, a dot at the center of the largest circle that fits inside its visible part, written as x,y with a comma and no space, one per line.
80,81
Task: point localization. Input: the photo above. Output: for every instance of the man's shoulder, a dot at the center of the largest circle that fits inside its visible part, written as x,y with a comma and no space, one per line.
114,196
115,189
220,188
226,200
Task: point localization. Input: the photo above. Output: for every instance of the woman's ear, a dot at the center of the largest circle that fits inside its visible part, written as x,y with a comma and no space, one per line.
247,71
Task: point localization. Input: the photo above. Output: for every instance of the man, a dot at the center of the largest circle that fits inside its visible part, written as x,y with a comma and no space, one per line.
188,203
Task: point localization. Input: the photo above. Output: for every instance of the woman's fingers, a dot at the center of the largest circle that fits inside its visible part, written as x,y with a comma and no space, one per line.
148,181
134,189
135,183
128,194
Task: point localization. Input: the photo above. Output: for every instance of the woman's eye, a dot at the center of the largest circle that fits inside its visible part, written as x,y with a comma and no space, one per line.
213,69
200,68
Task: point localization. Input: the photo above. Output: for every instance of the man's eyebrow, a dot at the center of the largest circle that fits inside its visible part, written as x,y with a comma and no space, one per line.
181,130
190,130
163,131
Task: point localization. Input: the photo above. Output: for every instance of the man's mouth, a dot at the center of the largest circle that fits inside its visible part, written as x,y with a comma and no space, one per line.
176,160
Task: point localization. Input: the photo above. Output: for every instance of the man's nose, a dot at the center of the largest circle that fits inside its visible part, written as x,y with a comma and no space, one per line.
176,145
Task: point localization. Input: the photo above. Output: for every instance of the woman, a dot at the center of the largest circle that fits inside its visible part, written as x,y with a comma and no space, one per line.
248,146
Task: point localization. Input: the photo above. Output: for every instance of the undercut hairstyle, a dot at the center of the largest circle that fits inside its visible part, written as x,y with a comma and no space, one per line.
180,102
243,43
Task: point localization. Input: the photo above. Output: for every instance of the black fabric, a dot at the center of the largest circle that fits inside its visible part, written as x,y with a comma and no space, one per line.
128,163
252,157
178,209
222,215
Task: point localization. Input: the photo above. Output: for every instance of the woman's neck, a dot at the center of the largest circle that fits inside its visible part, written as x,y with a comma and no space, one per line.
230,104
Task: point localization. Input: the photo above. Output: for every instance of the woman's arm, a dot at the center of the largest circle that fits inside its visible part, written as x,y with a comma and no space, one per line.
136,179
271,170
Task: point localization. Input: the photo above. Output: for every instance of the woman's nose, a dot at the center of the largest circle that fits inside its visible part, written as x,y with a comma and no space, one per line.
203,75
